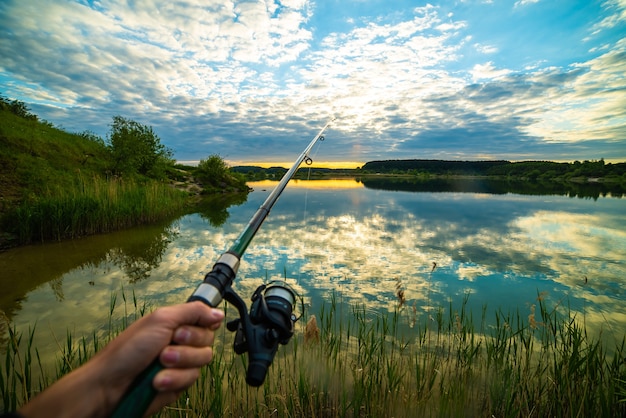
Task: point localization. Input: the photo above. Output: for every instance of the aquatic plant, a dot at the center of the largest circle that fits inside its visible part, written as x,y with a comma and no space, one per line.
371,364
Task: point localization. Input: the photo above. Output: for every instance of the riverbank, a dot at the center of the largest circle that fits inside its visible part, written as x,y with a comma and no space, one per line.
99,206
57,185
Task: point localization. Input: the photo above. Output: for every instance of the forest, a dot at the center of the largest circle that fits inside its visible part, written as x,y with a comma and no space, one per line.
585,171
529,170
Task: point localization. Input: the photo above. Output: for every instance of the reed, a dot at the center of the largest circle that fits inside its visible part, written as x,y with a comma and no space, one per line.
22,373
373,365
93,205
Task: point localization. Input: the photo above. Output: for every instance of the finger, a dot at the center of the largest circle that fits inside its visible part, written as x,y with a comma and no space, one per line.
192,313
210,318
194,336
175,380
185,357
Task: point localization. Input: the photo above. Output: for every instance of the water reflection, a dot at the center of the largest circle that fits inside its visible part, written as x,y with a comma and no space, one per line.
505,249
496,186
214,208
24,269
138,259
69,285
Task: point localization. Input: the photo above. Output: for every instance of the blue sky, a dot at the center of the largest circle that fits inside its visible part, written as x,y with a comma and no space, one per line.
253,81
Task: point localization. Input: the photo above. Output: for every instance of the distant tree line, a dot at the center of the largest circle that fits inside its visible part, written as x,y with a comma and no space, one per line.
259,173
255,173
524,170
531,170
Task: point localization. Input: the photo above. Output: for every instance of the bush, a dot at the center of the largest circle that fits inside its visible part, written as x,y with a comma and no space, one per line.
136,149
215,175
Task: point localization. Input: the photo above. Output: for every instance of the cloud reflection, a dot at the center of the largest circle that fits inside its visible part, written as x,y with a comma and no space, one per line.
505,250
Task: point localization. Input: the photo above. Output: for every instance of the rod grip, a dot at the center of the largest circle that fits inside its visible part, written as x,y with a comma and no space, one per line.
137,399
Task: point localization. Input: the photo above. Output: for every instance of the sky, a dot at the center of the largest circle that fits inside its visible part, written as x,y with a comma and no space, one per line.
254,81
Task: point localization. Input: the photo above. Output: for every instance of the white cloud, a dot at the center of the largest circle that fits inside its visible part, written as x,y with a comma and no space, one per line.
590,105
373,67
216,66
487,71
522,3
617,15
486,49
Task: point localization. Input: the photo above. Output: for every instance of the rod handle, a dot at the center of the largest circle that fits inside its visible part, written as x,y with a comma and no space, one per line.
137,399
141,393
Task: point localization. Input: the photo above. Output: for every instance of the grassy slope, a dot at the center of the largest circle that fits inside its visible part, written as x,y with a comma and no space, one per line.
54,172
36,158
61,170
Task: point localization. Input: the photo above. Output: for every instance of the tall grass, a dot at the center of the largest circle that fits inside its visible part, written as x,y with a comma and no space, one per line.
22,373
369,365
372,365
93,205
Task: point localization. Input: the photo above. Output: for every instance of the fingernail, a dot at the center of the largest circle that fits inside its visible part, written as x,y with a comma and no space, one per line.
171,356
162,381
217,314
182,335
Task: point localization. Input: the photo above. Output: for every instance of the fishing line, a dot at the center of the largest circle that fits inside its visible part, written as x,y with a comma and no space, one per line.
316,149
269,323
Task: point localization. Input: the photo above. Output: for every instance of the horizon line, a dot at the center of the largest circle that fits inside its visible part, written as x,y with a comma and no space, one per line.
358,164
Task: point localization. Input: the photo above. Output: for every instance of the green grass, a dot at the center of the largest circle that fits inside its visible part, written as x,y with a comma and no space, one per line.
375,366
54,185
93,205
57,185
35,155
22,374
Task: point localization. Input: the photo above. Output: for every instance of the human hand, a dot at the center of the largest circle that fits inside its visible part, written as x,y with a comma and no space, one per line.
189,326
97,387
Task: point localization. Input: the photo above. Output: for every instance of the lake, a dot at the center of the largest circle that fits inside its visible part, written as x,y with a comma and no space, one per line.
440,242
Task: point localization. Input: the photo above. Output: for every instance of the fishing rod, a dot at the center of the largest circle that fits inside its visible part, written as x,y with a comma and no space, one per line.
269,323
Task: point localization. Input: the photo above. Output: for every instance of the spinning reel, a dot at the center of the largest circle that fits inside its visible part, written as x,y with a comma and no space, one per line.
270,322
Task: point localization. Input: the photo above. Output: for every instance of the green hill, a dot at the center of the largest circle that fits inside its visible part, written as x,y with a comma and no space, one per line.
56,185
36,158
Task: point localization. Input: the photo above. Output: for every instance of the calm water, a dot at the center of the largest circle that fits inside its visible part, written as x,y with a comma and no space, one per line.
503,249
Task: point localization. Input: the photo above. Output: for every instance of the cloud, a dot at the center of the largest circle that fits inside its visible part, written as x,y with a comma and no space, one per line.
137,60
238,77
486,49
590,105
522,3
487,71
617,16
